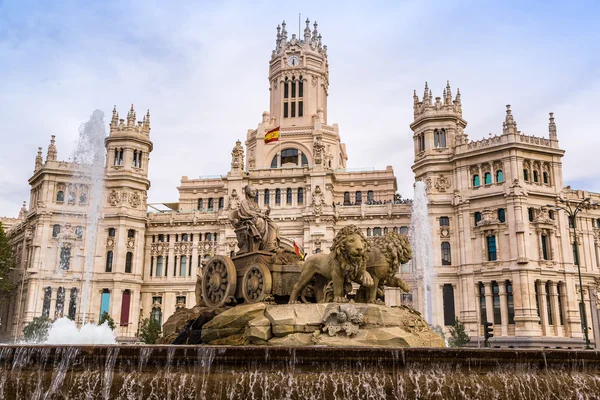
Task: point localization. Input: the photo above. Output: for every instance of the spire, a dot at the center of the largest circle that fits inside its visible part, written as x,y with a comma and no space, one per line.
307,32
448,95
23,211
445,97
146,123
38,160
552,128
51,155
510,125
457,96
131,117
315,31
283,32
426,93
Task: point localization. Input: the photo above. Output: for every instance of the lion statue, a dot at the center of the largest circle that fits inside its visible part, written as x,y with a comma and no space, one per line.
386,255
346,263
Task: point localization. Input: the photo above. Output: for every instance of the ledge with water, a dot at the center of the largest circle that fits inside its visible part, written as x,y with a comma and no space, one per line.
182,372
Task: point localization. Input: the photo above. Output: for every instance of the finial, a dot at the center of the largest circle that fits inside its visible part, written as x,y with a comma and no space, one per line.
307,22
552,127
51,155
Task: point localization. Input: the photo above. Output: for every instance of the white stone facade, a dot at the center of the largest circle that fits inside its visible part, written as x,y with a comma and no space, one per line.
148,256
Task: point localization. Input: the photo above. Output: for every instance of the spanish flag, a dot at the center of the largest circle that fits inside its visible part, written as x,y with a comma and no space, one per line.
297,251
272,135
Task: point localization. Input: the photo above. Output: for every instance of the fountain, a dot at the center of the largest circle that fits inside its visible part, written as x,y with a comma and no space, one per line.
336,348
420,238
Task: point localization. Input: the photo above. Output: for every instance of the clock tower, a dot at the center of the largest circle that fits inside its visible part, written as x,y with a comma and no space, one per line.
299,78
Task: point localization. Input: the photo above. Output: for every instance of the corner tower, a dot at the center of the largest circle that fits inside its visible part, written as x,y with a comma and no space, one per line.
299,78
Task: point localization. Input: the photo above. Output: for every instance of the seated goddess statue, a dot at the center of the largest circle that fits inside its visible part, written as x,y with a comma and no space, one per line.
254,228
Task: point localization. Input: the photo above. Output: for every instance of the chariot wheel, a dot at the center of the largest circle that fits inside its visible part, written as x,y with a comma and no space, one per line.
219,281
257,283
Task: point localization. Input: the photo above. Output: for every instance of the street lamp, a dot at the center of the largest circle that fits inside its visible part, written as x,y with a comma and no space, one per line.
572,209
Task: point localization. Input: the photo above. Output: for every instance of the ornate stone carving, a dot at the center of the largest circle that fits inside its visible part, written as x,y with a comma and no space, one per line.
135,199
317,201
488,217
237,156
442,183
541,216
344,318
314,80
130,243
114,198
318,150
428,183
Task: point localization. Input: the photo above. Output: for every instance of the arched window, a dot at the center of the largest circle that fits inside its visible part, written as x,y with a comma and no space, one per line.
545,178
358,197
439,138
182,265
211,204
499,176
128,262
530,214
501,215
55,230
487,178
477,217
215,236
156,315
221,203
368,231
109,261
288,196
446,257
130,233
83,198
346,198
71,198
376,231
444,221
304,159
404,230
111,232
184,237
370,196
535,176
79,232
289,156
385,231
208,237
139,163
300,196
104,301
476,181
200,205
125,307
274,161
448,303
60,196
135,158
286,90
395,229
267,197
159,265
525,175
545,252
277,196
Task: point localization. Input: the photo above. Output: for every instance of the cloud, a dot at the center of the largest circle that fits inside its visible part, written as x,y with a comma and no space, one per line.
201,67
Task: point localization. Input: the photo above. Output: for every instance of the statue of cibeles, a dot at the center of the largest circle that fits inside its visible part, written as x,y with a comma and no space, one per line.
255,230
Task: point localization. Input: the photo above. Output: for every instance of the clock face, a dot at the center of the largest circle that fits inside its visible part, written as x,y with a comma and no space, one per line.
293,61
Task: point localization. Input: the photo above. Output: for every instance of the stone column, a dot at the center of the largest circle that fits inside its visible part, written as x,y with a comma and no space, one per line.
526,318
294,197
261,198
543,307
566,330
572,315
489,302
503,307
552,286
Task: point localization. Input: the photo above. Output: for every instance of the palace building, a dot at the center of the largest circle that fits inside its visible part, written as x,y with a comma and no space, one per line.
501,254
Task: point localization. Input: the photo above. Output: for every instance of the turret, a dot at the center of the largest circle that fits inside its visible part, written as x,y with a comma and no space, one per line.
509,126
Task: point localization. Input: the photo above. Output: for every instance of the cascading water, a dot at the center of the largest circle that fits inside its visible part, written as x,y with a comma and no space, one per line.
90,154
89,159
420,238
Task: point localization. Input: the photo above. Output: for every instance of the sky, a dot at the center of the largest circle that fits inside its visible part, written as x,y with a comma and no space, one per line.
201,68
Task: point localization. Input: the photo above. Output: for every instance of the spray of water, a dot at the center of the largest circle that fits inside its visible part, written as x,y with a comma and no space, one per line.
420,238
90,155
65,331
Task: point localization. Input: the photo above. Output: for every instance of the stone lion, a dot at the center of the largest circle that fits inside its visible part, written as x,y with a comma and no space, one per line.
386,255
346,263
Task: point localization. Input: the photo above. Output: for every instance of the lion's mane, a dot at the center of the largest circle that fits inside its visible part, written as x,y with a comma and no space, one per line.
349,265
396,249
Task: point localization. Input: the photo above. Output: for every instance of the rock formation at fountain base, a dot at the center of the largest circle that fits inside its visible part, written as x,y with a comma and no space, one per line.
324,324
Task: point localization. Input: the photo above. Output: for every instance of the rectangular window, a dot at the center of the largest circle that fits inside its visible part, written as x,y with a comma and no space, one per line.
530,214
560,309
286,91
65,258
358,197
491,248
537,300
496,302
175,267
288,196
125,306
277,196
293,90
446,254
151,264
104,301
300,109
482,308
549,305
183,265
300,88
285,110
501,215
293,109
510,302
200,204
159,265
376,231
180,303
128,262
544,241
449,312
575,254
444,221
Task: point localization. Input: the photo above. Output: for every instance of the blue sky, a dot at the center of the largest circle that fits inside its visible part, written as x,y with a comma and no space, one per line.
201,68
